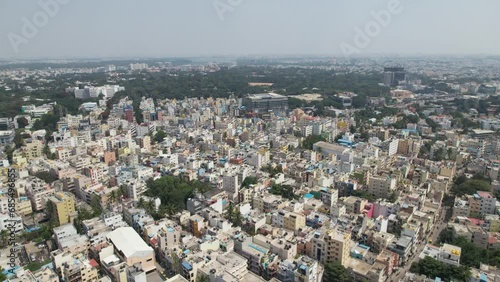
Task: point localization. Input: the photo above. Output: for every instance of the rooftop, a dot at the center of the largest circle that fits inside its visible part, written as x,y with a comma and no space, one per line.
129,242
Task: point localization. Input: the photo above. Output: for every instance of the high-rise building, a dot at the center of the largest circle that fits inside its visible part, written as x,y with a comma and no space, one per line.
394,75
128,112
331,246
63,207
381,186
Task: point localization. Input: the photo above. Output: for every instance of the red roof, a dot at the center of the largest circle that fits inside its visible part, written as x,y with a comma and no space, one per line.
476,221
93,263
492,240
154,241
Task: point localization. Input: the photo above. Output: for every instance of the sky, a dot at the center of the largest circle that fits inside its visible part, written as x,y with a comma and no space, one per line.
183,28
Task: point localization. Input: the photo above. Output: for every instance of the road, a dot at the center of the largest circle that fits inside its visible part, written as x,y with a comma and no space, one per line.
434,234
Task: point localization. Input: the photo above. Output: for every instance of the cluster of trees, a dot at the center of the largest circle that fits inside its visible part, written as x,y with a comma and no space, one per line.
465,186
286,191
159,136
462,122
425,149
432,124
405,119
174,191
227,81
433,268
334,271
234,81
233,215
10,104
272,170
47,122
249,180
310,140
46,176
363,115
363,194
444,154
84,213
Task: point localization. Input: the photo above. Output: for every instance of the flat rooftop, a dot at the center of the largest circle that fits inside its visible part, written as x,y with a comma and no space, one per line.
129,242
264,96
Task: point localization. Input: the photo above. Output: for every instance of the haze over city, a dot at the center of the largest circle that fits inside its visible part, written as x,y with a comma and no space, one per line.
125,28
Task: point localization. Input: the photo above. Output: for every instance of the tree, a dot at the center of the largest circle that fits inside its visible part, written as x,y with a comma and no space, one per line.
46,176
285,191
95,203
433,268
470,187
174,190
237,221
230,211
311,140
4,237
363,194
122,191
159,136
18,139
3,277
249,180
393,197
335,271
202,278
113,196
439,154
141,203
22,122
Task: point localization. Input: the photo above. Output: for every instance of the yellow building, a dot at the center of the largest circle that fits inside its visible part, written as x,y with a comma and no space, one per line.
23,206
493,222
338,247
331,246
19,158
33,149
294,221
63,205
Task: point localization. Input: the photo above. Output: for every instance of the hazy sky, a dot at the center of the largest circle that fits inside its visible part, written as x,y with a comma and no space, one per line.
163,28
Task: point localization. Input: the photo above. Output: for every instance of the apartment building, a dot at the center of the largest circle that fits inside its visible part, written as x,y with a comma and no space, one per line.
381,186
63,207
331,246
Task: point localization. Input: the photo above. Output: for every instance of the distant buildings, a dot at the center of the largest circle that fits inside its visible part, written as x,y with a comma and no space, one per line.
394,75
263,103
108,91
138,66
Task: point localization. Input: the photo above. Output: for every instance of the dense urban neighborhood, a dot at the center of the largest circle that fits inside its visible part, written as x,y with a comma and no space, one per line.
250,169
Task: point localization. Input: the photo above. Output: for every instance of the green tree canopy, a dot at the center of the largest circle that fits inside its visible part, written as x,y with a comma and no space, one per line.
46,176
310,140
174,191
336,272
433,268
470,187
